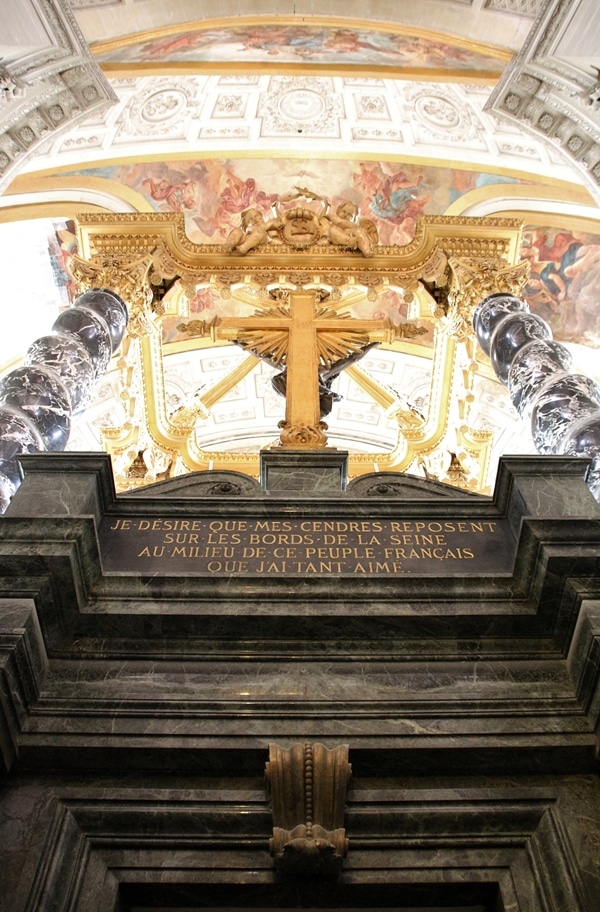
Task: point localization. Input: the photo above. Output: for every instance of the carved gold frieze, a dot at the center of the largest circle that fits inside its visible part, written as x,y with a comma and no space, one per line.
107,233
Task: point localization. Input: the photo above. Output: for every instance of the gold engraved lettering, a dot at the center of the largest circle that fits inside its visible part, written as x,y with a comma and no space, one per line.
401,526
272,567
156,551
254,552
189,551
227,566
178,552
229,525
223,538
397,553
273,526
284,552
171,525
121,524
302,546
181,538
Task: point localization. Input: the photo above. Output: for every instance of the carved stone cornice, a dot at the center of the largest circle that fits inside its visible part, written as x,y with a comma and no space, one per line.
308,784
50,89
549,96
23,666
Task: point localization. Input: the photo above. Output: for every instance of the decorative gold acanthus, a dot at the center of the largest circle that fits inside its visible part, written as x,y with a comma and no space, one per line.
472,280
303,436
308,784
128,278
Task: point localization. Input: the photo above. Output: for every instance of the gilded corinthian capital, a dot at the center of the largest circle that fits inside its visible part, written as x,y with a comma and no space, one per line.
128,278
472,280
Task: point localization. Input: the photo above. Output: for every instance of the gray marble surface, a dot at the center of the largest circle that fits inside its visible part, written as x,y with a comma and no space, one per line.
41,395
561,400
490,312
18,434
304,473
111,308
92,331
136,710
529,843
532,365
511,334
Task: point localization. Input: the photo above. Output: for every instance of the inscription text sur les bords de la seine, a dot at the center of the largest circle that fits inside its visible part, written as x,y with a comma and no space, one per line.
305,547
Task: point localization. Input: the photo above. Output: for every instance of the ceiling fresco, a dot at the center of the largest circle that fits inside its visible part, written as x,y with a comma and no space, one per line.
211,193
564,282
332,45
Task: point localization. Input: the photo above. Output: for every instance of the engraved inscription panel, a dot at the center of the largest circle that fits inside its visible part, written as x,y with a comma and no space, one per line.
305,547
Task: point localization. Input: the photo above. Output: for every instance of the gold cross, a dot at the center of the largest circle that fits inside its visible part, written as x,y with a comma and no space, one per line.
303,336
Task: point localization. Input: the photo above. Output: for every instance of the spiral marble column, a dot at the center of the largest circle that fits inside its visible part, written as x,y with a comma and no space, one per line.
37,401
563,407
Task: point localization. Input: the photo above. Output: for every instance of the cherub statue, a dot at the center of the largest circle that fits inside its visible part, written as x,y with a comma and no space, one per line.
346,229
302,225
253,231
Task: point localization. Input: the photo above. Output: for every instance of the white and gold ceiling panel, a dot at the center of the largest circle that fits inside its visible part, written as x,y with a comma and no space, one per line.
196,115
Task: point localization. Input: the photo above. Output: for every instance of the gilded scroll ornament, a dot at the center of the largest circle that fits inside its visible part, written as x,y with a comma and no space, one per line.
303,436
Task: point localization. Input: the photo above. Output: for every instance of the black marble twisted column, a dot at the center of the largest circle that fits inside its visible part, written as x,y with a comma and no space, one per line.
563,407
60,370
